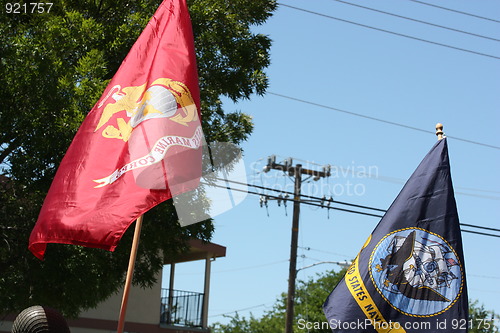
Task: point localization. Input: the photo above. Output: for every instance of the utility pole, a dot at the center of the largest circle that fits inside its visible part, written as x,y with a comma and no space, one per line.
294,171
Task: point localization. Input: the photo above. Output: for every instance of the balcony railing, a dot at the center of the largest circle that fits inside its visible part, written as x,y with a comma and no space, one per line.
183,308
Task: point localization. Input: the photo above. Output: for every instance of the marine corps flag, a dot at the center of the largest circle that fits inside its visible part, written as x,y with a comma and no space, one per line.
138,146
409,275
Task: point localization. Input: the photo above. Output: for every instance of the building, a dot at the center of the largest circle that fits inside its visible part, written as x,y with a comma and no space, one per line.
154,310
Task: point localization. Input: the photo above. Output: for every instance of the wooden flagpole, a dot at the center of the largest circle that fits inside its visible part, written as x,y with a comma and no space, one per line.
130,273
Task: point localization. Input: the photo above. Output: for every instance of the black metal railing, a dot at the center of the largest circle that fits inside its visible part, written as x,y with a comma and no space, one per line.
183,308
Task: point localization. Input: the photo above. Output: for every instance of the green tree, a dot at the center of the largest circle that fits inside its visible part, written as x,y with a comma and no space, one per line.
53,68
482,320
310,296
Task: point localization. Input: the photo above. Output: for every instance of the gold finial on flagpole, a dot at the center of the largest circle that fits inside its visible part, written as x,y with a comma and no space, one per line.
439,131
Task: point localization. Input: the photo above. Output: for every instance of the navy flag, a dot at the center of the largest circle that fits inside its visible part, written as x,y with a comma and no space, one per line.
409,276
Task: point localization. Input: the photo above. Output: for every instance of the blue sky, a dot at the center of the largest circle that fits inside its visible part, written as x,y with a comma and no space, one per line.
331,64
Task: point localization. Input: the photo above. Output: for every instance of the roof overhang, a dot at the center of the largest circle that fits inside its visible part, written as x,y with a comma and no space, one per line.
199,250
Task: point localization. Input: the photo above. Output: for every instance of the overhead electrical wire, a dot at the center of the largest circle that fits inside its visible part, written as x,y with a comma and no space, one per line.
278,197
456,11
418,21
402,181
391,32
308,248
365,207
252,267
303,195
322,205
239,310
379,120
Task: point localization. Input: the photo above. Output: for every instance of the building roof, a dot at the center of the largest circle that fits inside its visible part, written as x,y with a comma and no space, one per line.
199,250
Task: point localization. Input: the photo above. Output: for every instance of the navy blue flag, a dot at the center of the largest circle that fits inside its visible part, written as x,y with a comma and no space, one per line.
409,275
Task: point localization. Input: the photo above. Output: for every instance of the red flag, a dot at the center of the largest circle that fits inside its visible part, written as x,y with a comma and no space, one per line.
138,146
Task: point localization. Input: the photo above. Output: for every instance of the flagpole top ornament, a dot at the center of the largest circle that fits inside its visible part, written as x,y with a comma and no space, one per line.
439,131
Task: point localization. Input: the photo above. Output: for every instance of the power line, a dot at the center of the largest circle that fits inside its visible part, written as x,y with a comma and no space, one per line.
392,32
456,11
335,201
402,181
245,309
307,248
478,232
381,210
251,267
482,196
303,195
485,276
342,209
306,202
478,189
479,227
379,120
353,113
418,21
240,268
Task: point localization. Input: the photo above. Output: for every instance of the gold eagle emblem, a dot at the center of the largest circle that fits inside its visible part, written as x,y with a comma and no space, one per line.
164,98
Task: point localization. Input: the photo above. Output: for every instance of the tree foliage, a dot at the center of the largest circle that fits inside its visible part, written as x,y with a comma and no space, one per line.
53,68
482,320
310,296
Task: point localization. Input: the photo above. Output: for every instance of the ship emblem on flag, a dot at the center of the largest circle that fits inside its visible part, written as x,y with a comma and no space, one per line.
416,271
